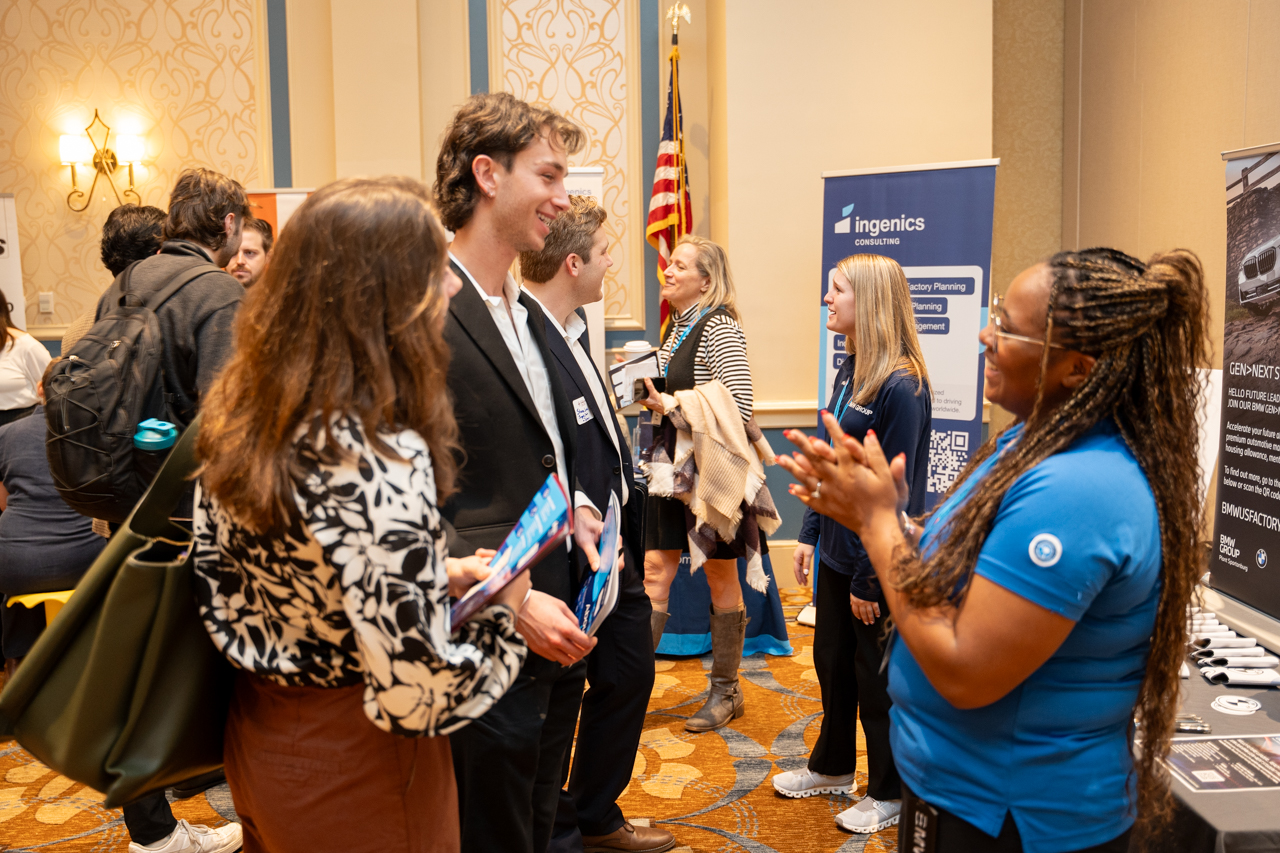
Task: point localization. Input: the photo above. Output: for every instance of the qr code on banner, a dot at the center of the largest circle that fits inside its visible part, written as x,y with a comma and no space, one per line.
948,454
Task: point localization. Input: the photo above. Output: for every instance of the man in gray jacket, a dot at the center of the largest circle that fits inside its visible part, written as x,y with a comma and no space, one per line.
206,214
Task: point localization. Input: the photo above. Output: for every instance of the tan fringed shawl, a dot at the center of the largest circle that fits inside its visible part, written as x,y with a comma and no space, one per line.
707,458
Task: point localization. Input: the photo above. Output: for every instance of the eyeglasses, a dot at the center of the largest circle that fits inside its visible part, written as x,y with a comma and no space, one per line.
1001,333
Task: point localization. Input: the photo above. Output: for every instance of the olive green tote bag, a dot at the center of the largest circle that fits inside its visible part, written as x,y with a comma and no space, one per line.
125,691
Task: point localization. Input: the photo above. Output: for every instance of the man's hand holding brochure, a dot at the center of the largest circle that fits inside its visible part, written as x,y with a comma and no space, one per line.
600,589
545,622
544,524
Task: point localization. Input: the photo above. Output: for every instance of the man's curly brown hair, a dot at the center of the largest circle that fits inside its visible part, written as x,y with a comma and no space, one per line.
499,125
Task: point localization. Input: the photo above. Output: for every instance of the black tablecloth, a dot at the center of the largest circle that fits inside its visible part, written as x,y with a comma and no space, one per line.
1228,822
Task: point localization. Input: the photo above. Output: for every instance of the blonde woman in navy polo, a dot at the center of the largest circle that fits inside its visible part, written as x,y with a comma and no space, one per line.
882,386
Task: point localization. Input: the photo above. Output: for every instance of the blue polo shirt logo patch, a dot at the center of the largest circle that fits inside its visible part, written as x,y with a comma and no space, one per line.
1045,550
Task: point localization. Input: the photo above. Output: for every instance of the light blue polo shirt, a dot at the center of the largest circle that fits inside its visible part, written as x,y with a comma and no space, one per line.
1079,535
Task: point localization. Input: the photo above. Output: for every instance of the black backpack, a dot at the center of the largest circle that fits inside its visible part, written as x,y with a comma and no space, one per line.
108,383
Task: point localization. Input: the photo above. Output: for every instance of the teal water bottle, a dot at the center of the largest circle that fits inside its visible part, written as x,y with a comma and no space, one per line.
155,435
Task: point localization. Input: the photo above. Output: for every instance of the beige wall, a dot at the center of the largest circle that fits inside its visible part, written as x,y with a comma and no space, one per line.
376,111
444,62
1154,92
188,78
311,128
390,105
1026,134
865,84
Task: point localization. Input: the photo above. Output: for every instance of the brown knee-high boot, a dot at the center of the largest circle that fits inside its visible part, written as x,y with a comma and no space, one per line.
658,624
728,631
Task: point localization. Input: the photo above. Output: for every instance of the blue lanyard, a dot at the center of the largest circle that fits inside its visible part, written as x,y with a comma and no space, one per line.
680,340
837,411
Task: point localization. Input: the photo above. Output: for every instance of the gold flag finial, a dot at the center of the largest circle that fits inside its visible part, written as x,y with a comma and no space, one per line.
675,13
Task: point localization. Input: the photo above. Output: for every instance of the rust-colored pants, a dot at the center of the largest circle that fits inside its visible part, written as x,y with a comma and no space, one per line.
309,773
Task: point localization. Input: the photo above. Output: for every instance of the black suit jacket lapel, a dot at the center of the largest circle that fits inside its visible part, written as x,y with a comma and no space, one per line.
473,316
565,418
565,356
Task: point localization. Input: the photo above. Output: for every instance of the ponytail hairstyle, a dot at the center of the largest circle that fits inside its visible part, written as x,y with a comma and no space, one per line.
1147,327
885,325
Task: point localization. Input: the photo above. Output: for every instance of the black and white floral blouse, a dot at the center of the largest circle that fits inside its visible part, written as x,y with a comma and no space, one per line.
356,591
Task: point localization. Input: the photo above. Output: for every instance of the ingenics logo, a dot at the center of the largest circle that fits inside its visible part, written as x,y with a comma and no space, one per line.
876,227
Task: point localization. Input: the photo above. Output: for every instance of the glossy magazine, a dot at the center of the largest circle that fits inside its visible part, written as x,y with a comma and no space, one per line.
545,523
600,590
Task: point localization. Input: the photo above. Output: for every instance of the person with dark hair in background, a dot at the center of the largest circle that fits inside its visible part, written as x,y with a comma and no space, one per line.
567,274
203,225
499,185
207,211
1041,613
255,252
131,233
22,361
320,558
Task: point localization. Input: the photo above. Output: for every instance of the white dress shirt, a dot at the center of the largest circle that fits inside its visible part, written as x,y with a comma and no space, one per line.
512,320
572,336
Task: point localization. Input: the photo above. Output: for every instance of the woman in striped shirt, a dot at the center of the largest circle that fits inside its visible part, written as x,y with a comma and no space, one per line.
704,343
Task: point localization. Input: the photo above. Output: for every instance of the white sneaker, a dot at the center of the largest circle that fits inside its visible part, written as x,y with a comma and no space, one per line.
869,815
195,839
806,783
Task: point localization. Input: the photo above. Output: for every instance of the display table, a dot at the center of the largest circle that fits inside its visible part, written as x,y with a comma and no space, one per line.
1228,821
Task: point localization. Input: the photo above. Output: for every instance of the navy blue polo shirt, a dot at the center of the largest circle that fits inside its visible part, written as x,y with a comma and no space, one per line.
1078,535
901,415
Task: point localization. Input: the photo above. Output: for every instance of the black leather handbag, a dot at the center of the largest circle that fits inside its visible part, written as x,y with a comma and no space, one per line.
125,691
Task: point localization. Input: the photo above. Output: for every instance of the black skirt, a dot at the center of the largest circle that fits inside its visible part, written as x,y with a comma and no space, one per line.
665,529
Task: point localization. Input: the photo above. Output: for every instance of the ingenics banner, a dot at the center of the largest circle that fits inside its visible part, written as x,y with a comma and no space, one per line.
934,220
1246,552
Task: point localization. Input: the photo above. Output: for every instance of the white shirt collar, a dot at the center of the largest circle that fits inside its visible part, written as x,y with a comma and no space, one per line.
510,291
576,326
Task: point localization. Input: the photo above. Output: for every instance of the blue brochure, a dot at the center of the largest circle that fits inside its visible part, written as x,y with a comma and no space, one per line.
600,591
545,523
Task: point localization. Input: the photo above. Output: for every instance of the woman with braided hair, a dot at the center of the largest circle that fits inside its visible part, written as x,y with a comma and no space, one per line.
1040,613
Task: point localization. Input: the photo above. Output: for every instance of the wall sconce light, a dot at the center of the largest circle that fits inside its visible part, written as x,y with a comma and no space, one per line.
81,149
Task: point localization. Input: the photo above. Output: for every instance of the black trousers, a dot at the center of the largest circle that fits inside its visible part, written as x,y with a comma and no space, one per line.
847,656
508,762
149,819
952,834
620,679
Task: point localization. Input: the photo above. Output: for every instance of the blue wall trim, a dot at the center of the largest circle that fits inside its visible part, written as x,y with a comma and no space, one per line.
278,73
478,26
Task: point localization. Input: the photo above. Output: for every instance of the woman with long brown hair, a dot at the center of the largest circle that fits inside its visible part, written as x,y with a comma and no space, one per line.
1041,612
328,446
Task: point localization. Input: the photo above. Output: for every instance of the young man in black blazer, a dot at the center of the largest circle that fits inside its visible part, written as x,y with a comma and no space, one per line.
567,274
499,185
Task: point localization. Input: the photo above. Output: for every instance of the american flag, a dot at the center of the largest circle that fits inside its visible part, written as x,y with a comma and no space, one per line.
670,211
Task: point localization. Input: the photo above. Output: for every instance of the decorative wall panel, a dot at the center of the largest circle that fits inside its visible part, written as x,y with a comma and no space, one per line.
184,74
582,57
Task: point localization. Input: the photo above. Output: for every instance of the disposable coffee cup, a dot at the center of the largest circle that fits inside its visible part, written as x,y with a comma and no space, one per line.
634,349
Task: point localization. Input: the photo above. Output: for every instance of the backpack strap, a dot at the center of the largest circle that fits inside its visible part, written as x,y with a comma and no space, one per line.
155,300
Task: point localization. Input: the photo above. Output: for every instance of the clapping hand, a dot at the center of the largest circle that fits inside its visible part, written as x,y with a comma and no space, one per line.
848,481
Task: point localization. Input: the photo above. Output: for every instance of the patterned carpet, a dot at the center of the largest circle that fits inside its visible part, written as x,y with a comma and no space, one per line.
711,790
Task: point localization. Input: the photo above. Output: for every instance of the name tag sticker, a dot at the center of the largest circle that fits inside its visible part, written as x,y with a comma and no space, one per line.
582,410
